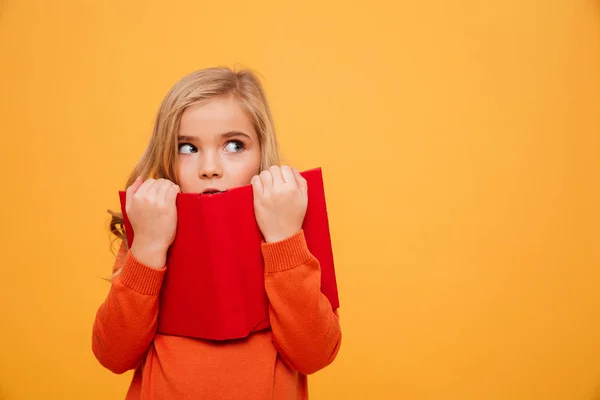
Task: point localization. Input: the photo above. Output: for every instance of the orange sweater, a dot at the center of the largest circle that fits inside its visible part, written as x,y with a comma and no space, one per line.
304,337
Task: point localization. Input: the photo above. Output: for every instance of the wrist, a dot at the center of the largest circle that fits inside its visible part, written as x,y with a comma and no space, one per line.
279,237
152,255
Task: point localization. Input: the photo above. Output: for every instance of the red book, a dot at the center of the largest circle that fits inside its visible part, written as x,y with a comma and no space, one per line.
214,286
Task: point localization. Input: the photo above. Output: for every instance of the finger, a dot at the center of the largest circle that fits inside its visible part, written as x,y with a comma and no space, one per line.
162,187
131,191
302,184
143,189
171,194
287,175
277,178
257,187
266,178
146,187
136,184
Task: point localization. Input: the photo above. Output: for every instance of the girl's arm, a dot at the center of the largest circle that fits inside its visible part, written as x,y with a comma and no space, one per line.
306,330
126,322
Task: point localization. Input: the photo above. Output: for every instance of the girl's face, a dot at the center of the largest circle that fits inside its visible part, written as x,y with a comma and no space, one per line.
218,147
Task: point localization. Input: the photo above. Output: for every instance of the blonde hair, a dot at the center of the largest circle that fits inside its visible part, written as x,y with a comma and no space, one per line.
158,161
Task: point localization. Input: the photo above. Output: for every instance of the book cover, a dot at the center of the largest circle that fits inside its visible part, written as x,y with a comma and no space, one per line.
214,284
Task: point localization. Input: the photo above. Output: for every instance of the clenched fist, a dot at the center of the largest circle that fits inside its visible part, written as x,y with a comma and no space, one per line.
280,201
152,212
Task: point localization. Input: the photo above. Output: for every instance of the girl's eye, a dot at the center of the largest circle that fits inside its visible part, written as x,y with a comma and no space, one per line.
186,148
234,146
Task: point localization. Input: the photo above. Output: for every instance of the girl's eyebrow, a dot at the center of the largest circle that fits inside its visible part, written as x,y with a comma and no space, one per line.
226,135
232,134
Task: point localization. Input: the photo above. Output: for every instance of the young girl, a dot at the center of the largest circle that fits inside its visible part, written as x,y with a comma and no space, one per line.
214,131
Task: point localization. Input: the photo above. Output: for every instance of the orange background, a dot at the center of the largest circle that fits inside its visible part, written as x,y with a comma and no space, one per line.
460,147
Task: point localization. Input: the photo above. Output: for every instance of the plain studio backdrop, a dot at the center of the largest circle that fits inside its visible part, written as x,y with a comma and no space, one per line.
459,142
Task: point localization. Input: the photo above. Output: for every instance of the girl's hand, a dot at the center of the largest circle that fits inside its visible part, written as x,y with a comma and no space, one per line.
280,201
151,210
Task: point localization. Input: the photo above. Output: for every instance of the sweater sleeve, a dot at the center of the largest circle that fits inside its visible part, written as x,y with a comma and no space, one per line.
306,330
125,323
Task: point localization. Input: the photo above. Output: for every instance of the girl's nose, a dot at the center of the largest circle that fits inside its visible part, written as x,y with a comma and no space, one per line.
210,167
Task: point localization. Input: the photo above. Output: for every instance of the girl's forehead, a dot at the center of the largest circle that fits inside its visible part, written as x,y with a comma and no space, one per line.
214,118
219,108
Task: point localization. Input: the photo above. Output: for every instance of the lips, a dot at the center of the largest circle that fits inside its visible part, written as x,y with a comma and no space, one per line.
211,191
